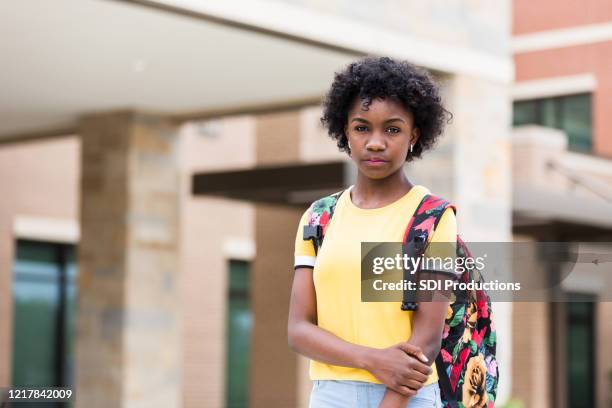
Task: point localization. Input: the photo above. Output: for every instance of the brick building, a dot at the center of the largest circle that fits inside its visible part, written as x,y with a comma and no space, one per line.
147,227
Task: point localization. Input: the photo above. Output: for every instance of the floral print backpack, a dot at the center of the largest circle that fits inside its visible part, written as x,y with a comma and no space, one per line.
466,365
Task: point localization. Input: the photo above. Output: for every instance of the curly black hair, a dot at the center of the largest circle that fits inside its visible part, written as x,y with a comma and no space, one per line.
383,77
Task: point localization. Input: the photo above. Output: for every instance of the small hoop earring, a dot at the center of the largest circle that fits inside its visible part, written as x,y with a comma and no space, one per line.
411,148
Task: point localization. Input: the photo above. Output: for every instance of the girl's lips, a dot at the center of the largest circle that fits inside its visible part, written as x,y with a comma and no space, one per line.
375,162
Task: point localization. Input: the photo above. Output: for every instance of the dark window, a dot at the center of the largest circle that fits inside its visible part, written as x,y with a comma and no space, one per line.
239,323
571,113
580,354
44,291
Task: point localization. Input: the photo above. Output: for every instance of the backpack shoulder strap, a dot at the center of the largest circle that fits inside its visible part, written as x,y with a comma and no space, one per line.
418,235
319,215
426,218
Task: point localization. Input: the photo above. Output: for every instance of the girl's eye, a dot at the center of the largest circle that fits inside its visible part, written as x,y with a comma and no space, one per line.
361,128
393,130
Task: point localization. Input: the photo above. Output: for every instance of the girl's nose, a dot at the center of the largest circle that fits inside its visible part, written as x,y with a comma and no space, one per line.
376,142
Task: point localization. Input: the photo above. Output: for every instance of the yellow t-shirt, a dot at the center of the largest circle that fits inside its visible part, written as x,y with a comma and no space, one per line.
337,277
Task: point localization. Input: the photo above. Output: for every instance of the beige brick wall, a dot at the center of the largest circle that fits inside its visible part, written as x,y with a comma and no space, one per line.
218,144
277,136
314,143
274,367
213,231
209,226
531,348
37,179
532,343
603,358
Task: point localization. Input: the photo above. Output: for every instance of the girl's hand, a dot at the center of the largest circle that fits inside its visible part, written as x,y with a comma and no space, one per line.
402,367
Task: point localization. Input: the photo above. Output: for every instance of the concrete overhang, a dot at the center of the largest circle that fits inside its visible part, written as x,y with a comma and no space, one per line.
542,206
553,185
190,59
64,58
298,184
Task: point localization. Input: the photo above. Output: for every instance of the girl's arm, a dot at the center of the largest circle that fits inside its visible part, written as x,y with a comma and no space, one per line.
393,366
428,320
427,328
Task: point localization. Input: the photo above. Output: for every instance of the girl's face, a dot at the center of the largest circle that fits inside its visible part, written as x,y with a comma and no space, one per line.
379,138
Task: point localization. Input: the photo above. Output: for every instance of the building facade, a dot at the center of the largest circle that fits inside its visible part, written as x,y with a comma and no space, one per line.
150,249
561,95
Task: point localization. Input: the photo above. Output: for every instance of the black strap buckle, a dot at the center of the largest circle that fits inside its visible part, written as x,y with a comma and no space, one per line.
314,233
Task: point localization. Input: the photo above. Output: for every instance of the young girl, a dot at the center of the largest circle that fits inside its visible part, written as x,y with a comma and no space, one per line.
383,113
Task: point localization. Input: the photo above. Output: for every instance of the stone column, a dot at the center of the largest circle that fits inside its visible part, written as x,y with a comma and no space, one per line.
128,326
482,183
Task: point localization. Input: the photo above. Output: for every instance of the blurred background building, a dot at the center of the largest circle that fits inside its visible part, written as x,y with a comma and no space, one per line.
155,158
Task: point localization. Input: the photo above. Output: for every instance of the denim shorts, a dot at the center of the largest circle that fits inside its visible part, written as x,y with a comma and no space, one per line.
361,394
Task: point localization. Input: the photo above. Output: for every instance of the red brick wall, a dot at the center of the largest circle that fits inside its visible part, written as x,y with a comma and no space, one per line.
591,58
540,15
